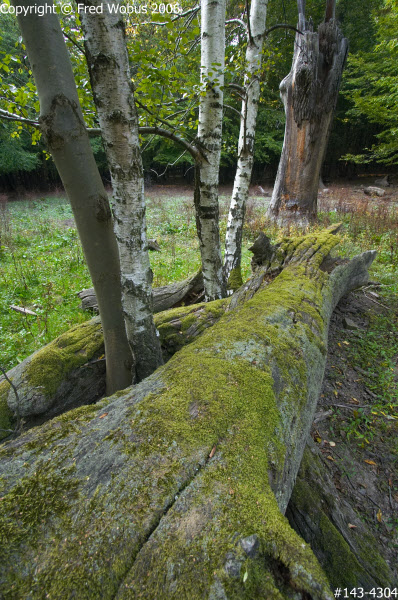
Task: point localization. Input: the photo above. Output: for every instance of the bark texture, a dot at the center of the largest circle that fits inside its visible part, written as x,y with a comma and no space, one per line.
309,94
347,554
177,486
188,291
209,142
63,127
113,92
240,193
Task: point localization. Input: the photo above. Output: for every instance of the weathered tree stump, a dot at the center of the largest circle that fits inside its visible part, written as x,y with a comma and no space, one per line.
177,487
309,94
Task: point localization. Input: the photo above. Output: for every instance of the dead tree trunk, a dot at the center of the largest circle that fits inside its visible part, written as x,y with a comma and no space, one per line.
309,94
177,487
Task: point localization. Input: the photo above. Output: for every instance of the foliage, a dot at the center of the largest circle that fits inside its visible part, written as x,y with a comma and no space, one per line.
14,153
372,86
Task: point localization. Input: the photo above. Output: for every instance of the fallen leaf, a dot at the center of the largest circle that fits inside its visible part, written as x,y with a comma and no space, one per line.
318,439
346,343
332,444
370,462
212,452
354,401
351,526
330,458
102,416
379,514
245,576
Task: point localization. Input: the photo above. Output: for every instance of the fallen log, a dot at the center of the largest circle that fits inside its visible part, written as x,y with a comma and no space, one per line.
177,487
188,291
70,371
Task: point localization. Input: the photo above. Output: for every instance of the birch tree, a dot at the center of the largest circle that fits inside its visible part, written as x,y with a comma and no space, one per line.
113,93
209,142
309,94
62,124
233,241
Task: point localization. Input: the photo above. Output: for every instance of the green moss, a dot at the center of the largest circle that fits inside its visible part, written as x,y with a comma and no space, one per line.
6,416
235,279
48,366
35,498
187,322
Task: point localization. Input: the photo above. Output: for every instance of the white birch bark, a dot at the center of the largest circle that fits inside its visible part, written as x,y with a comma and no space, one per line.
240,193
209,141
108,65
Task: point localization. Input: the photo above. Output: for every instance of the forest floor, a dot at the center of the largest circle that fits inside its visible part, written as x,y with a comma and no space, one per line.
356,435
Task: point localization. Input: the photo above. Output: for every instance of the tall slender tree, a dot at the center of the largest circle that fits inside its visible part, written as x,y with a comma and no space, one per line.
309,94
62,124
256,23
113,93
209,142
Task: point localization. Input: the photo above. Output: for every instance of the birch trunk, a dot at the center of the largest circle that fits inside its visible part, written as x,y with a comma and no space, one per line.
209,142
309,94
64,129
108,66
240,193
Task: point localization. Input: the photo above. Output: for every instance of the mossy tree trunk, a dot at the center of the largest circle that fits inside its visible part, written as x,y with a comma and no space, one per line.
64,130
108,65
177,487
309,94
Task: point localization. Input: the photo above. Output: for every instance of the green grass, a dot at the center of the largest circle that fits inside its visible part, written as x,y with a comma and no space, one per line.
42,266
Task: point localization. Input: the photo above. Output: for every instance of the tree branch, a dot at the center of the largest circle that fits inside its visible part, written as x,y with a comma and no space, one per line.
249,31
4,114
283,26
238,88
233,109
171,136
74,42
239,21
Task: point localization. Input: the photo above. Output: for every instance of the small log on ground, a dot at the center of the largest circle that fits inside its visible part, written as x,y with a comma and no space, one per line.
188,291
177,487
